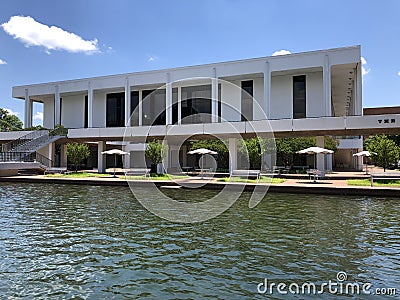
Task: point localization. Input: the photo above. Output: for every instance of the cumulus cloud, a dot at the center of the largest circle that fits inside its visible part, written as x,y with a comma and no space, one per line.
38,116
281,52
364,66
3,62
11,112
32,33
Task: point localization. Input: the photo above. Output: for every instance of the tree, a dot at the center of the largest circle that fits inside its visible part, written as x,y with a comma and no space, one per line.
156,151
384,151
76,153
252,149
9,122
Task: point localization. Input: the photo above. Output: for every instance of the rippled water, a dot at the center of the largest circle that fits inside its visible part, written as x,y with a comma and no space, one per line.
65,241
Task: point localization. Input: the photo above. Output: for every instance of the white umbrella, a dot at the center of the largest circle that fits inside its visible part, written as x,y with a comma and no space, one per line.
315,150
202,151
115,152
364,153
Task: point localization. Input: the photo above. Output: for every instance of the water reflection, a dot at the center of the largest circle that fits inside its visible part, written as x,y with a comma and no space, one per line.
90,242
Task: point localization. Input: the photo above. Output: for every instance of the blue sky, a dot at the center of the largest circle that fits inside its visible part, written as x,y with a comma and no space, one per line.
94,38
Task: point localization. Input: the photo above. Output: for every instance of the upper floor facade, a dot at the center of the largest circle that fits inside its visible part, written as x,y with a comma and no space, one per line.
317,84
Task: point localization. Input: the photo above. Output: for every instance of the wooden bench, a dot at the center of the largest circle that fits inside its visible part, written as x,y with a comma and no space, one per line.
137,172
374,176
246,173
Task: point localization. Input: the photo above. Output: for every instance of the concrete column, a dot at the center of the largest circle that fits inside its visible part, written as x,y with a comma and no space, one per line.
267,90
358,91
320,158
126,159
51,151
127,101
63,162
168,100
101,159
327,86
179,105
57,106
140,108
90,105
232,154
28,110
214,97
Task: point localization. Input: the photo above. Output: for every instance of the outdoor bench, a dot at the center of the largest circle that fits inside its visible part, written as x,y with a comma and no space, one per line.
246,173
137,172
56,171
374,176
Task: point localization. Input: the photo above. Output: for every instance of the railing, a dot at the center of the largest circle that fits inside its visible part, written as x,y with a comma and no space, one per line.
24,139
26,157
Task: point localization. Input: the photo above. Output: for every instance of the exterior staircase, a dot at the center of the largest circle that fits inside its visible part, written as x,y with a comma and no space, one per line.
24,148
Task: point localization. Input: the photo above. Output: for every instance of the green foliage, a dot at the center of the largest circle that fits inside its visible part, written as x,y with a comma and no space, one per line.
384,151
9,122
76,153
218,146
156,151
286,148
253,149
33,128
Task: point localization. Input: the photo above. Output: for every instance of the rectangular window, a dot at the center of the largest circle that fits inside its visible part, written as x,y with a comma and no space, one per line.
196,104
299,97
174,105
86,117
153,107
219,103
115,114
134,108
247,100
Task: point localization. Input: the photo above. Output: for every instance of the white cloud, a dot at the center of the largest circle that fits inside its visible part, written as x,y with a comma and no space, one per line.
364,69
38,116
152,58
3,62
398,73
32,33
11,112
281,52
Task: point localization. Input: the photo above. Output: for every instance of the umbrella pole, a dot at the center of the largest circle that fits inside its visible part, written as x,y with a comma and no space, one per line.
115,163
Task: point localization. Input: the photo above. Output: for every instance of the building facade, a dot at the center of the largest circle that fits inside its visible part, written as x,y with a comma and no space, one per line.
313,93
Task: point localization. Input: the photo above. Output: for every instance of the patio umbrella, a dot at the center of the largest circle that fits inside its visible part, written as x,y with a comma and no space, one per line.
202,151
115,152
364,153
315,151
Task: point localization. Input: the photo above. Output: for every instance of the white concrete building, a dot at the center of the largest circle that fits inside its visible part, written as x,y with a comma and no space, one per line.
315,93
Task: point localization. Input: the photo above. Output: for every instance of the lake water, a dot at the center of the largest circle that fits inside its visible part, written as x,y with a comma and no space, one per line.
66,241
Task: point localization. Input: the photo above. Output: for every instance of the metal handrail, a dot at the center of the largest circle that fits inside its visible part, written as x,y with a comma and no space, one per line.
26,157
24,139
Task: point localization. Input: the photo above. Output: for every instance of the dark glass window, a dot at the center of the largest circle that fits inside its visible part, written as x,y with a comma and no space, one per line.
134,108
115,116
219,103
174,106
247,100
153,107
196,104
299,97
86,117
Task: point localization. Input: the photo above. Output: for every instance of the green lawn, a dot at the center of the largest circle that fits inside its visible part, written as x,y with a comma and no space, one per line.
261,180
379,182
156,177
78,175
